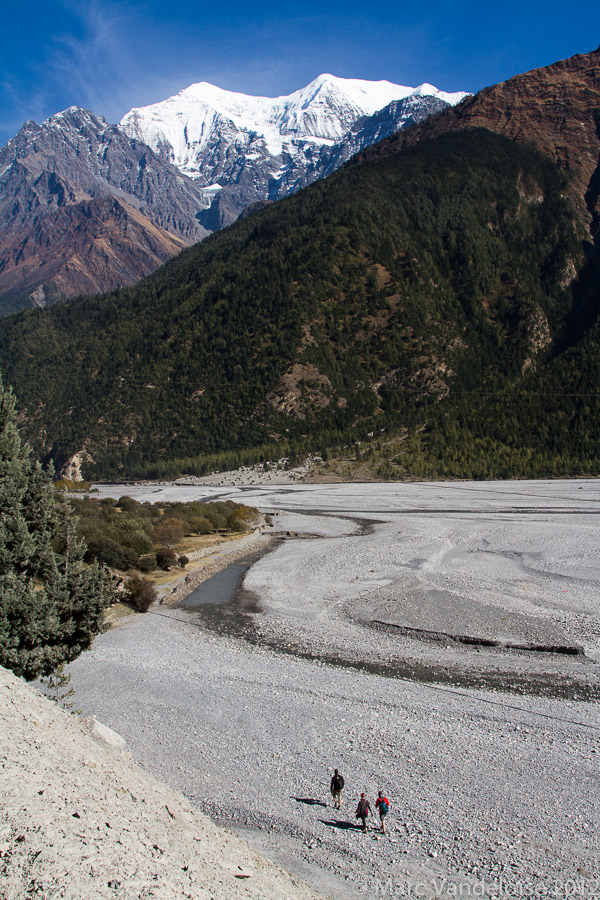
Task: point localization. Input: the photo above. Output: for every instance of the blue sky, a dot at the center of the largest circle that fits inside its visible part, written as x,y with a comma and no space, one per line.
109,56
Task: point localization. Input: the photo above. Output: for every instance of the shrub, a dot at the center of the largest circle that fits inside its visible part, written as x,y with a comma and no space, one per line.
199,525
147,563
140,592
165,558
129,531
104,550
127,504
65,484
169,532
183,561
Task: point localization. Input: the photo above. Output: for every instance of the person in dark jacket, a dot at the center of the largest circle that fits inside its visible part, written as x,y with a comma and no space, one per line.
337,786
363,810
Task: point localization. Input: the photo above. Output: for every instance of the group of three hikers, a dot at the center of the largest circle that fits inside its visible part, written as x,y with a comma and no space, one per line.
382,804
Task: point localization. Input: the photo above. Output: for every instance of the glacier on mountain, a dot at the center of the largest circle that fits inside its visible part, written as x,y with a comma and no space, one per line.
262,148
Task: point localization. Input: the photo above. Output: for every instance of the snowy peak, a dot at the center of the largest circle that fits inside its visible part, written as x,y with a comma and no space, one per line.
428,90
241,150
368,96
328,106
183,127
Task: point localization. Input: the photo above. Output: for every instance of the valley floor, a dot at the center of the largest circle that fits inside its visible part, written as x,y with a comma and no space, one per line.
341,650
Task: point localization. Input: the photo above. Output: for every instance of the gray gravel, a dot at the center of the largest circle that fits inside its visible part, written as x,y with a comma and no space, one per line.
80,821
493,793
482,787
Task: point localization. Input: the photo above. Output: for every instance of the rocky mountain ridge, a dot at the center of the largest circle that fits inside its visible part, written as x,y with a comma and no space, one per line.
86,206
448,287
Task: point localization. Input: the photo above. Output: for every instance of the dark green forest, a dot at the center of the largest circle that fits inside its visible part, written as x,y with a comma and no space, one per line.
429,293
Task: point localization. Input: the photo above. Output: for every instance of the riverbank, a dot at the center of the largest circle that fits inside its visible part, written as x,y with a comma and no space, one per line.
79,820
206,563
458,584
484,786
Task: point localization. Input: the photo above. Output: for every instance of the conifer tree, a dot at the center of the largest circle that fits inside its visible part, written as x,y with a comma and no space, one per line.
51,604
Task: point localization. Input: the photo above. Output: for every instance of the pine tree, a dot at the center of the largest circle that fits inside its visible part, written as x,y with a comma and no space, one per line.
51,604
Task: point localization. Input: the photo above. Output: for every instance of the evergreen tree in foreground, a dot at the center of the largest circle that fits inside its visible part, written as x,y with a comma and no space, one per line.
51,604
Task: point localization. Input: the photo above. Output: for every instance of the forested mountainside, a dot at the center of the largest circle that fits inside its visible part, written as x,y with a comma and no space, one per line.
431,292
555,108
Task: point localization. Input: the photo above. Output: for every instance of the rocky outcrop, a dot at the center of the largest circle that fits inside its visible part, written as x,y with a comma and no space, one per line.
78,819
84,209
368,130
89,247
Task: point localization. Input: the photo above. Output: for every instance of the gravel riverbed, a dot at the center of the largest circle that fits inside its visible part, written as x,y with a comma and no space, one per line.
493,780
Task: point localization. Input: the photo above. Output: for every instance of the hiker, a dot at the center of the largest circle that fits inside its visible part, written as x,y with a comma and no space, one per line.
337,786
363,810
382,805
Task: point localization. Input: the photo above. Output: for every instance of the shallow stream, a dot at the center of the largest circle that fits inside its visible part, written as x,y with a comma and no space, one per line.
218,590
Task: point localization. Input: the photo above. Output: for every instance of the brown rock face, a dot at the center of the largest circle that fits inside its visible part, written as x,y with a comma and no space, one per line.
556,108
85,248
85,209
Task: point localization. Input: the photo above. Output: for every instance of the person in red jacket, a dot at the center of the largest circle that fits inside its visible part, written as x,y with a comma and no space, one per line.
382,805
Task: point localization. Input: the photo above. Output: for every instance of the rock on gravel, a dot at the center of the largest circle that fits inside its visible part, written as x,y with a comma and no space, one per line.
79,820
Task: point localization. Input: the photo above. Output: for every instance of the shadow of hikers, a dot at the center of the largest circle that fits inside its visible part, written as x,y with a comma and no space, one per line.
309,801
340,823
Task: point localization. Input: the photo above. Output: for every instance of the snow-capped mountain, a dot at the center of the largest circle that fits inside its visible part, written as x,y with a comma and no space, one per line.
86,206
262,148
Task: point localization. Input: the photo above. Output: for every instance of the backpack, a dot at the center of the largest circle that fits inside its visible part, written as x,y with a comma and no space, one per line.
338,782
384,805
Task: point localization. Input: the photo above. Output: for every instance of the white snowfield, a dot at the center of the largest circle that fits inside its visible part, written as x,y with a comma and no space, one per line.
188,124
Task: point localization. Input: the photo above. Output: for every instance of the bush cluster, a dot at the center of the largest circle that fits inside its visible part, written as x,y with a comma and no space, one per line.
126,534
140,592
